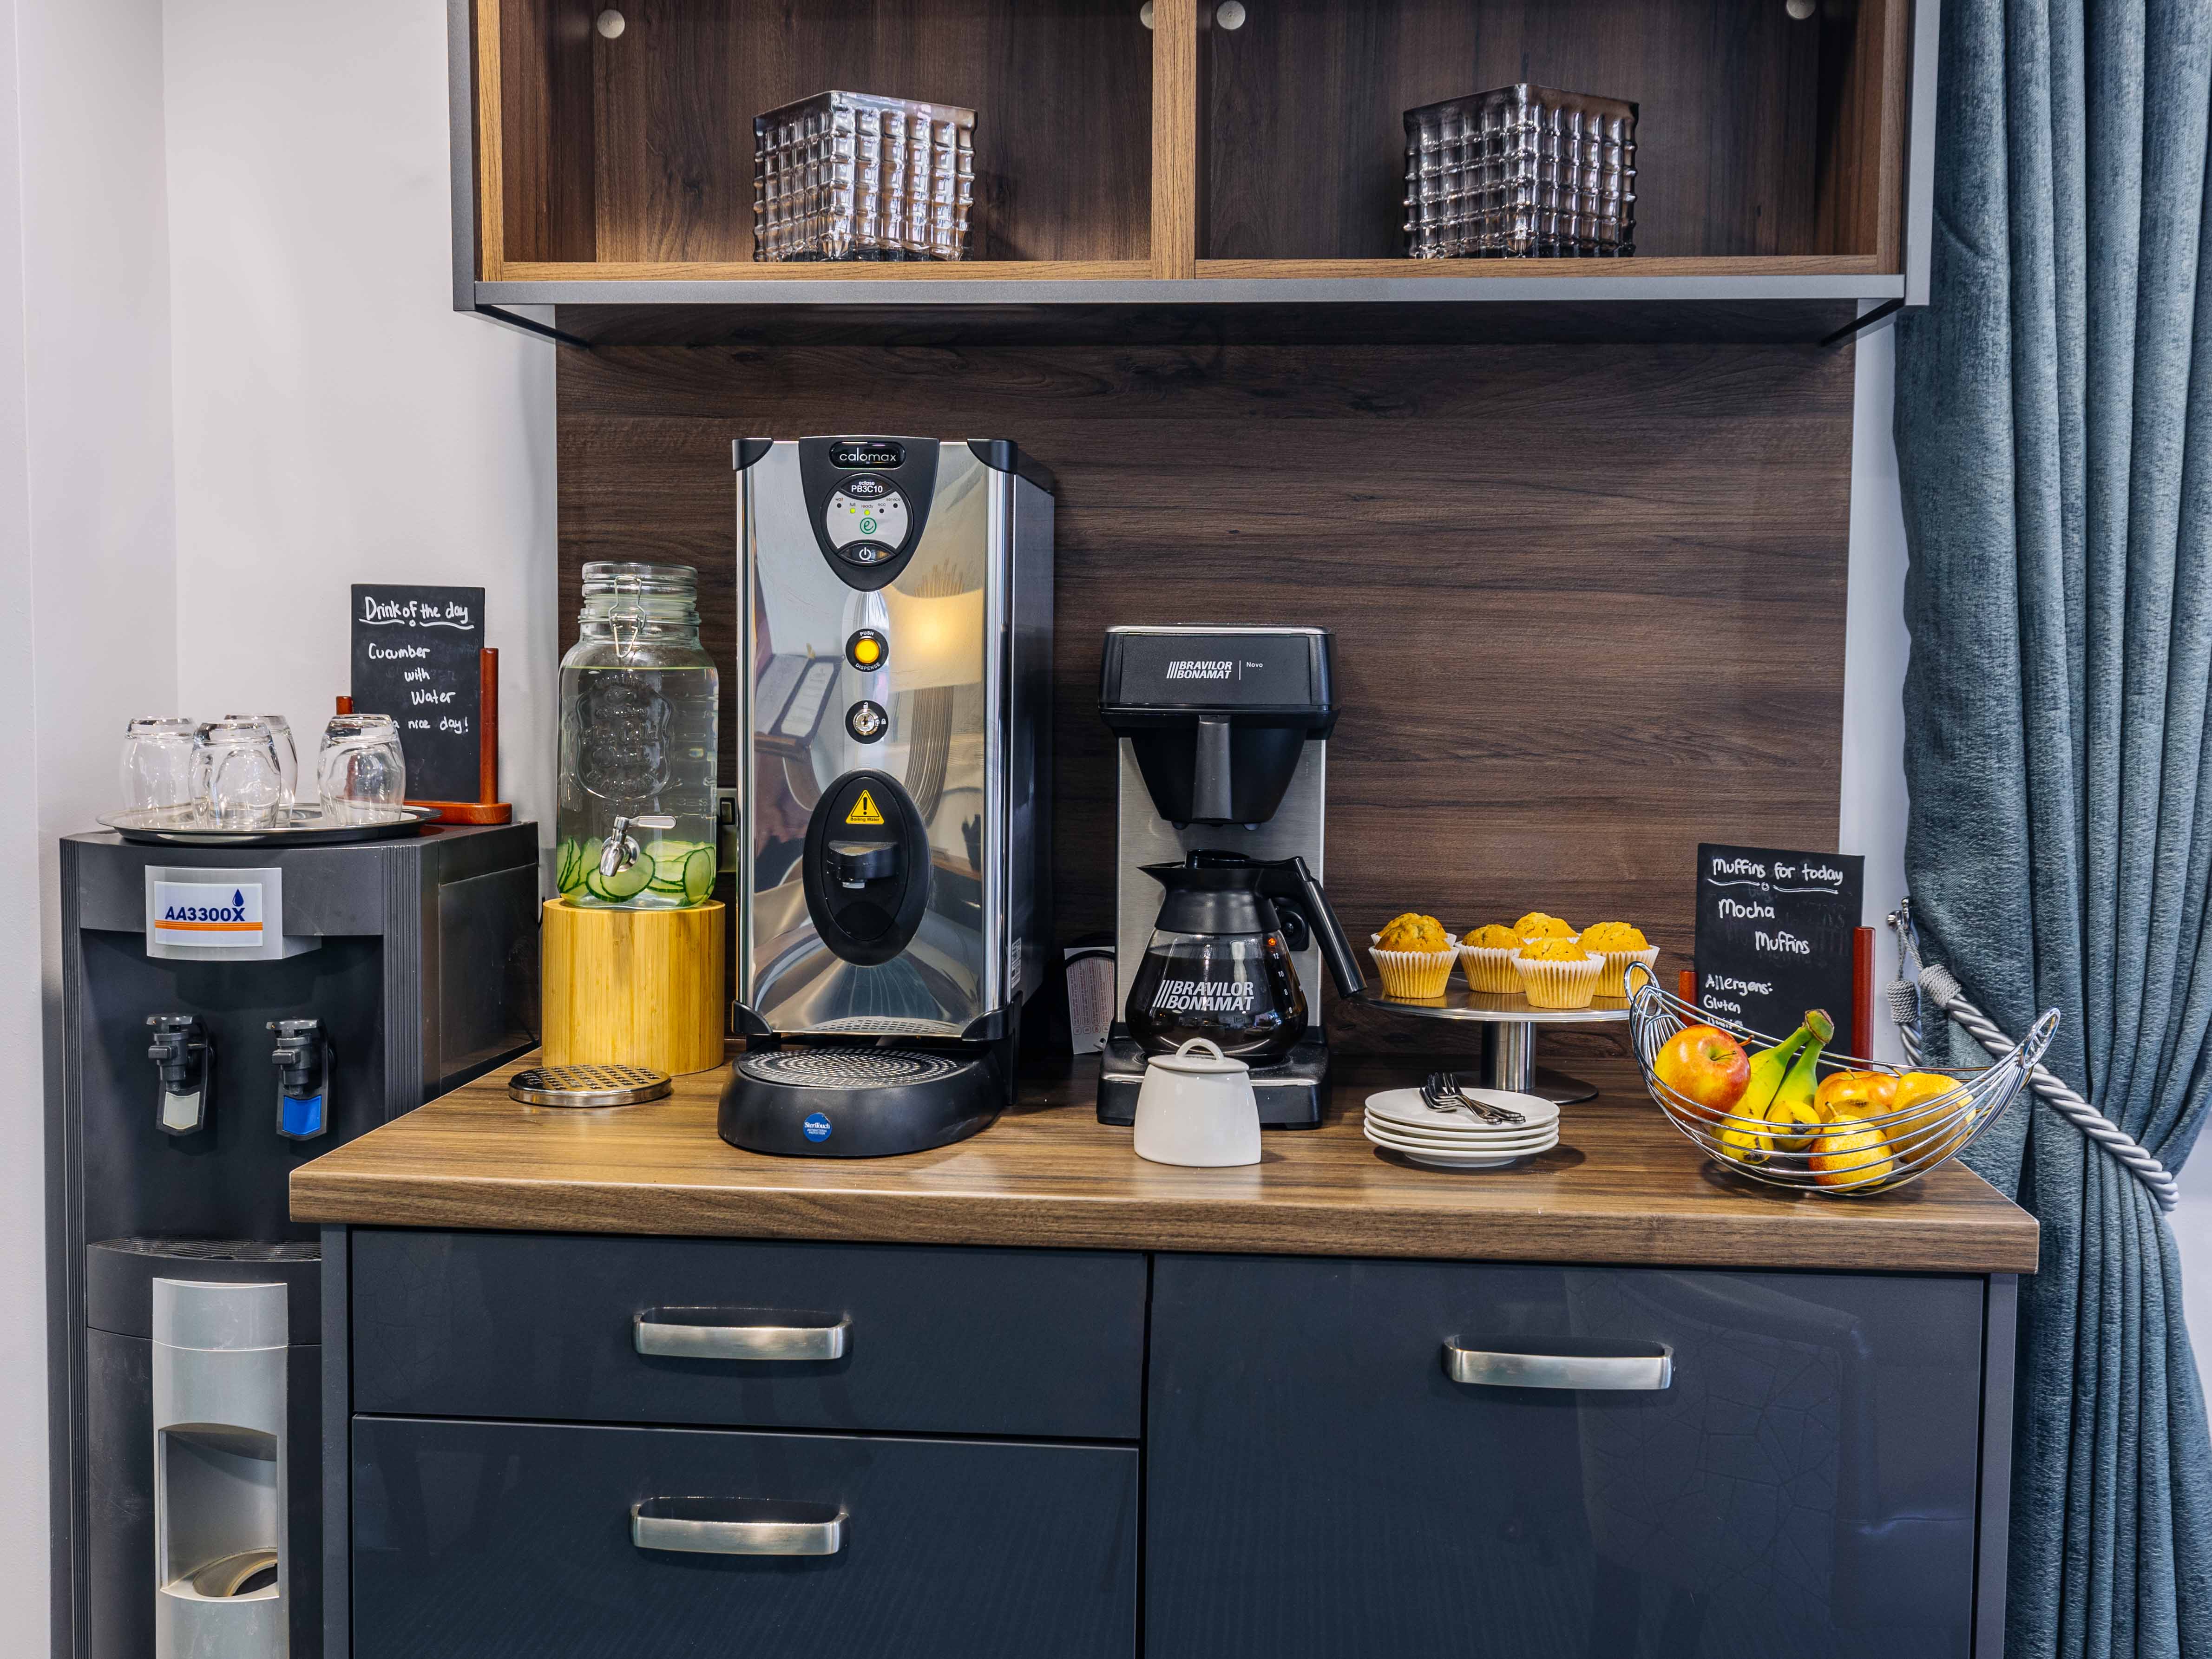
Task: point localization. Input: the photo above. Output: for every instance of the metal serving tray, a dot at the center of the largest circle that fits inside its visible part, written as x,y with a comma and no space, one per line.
155,827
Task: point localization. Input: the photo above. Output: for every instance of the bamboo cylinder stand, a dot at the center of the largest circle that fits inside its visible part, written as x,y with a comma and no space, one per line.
634,987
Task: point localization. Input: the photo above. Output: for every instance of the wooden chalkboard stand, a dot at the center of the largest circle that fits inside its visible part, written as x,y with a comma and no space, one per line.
1861,1027
487,808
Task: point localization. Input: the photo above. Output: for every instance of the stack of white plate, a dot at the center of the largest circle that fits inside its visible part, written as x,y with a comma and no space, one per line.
1401,1119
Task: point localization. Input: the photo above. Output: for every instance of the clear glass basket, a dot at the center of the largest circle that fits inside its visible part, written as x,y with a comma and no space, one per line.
849,175
1521,172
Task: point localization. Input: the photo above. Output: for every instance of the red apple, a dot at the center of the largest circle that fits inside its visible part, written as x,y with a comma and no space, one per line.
1705,1066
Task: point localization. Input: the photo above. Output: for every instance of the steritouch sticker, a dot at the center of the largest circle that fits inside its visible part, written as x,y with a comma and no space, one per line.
816,1127
863,812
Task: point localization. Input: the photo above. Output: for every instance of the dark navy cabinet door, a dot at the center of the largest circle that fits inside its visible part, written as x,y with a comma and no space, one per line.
1319,1488
1044,1343
502,1540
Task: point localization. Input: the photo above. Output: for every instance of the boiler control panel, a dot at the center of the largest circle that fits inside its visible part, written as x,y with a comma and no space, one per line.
866,520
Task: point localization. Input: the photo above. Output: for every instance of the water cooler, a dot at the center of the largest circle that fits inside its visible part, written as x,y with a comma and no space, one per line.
227,1014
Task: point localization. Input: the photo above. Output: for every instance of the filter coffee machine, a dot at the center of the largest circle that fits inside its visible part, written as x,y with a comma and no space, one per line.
1224,746
895,685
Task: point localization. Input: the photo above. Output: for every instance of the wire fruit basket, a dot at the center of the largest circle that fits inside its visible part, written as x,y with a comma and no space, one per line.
1878,1151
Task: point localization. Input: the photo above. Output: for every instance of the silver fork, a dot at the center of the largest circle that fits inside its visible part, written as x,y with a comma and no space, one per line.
1441,1094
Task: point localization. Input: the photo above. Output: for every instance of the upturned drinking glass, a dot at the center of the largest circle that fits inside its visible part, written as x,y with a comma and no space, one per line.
287,754
360,772
158,752
241,785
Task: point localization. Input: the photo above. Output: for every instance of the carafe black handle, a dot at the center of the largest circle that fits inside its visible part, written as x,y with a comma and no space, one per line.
1328,933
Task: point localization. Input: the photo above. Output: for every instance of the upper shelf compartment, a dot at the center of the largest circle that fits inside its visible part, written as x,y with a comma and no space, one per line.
1179,175
629,156
1762,136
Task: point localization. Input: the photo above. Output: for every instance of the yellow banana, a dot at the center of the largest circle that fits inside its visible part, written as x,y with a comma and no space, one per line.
1793,1104
1770,1065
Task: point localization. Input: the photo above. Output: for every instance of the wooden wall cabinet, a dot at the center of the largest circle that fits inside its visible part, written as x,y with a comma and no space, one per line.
1781,161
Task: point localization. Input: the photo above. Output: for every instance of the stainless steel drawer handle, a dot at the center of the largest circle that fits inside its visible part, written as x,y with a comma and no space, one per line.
1576,1364
737,1526
741,1334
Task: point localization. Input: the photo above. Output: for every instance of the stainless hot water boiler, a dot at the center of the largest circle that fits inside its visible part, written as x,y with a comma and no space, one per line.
896,705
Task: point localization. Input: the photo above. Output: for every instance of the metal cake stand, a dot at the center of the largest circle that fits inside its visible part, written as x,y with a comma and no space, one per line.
1509,1023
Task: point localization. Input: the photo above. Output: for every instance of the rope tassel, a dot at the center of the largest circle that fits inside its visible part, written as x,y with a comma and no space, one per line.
1940,986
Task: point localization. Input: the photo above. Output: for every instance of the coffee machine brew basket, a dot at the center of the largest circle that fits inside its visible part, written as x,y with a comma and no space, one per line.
1217,718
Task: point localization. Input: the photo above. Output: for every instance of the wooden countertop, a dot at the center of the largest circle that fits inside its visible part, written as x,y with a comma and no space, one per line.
1622,1186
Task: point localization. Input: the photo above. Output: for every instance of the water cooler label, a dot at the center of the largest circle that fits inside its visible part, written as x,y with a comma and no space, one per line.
816,1127
207,916
195,912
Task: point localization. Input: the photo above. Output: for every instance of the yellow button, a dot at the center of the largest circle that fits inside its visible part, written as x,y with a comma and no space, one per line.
864,652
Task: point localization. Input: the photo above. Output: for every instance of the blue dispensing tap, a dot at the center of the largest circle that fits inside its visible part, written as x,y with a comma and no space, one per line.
303,1079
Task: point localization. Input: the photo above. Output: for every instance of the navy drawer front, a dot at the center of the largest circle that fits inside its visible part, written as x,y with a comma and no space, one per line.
1044,1343
1318,1486
504,1540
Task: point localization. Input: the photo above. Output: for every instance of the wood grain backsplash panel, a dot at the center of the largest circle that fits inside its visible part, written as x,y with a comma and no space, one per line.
1588,600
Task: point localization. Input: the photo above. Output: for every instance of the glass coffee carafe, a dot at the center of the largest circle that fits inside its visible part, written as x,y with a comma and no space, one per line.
1218,963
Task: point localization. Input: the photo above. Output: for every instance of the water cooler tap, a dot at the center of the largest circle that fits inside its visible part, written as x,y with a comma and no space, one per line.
185,1058
303,1078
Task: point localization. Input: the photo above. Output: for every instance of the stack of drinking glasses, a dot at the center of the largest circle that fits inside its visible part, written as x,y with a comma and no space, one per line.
242,773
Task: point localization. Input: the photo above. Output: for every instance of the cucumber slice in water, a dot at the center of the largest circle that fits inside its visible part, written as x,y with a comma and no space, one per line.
667,858
568,867
699,876
624,884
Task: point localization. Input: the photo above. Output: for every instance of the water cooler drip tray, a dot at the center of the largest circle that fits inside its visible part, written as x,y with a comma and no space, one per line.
249,1572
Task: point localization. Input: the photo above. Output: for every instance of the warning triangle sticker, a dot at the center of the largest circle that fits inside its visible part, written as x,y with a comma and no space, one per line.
864,810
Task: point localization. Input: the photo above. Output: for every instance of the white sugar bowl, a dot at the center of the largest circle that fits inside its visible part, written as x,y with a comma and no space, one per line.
1195,1107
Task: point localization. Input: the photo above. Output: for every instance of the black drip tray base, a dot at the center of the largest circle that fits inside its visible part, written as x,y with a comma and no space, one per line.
858,1102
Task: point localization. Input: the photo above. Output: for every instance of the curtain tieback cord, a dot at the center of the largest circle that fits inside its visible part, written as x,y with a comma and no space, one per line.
1941,987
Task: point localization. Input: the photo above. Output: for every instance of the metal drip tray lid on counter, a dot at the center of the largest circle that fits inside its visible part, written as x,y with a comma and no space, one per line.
848,1068
588,1085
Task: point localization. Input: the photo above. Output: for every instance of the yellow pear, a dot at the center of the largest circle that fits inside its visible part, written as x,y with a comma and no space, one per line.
1927,1098
1851,1153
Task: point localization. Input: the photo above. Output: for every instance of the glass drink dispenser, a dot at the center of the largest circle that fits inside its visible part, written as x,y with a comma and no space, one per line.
635,825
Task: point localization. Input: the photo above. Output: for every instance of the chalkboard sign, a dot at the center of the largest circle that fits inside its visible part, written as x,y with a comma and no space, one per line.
1775,934
415,657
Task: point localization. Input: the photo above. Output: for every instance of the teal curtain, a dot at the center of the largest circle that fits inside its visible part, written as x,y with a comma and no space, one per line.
2054,429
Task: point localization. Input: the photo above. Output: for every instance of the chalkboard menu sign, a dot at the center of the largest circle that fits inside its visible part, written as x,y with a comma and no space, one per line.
415,657
1775,933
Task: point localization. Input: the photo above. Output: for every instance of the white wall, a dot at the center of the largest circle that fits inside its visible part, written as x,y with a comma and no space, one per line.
1875,642
87,545
204,438
336,420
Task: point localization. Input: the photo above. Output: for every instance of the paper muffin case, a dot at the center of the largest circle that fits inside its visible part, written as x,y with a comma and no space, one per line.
1489,967
1617,964
1559,984
1415,973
